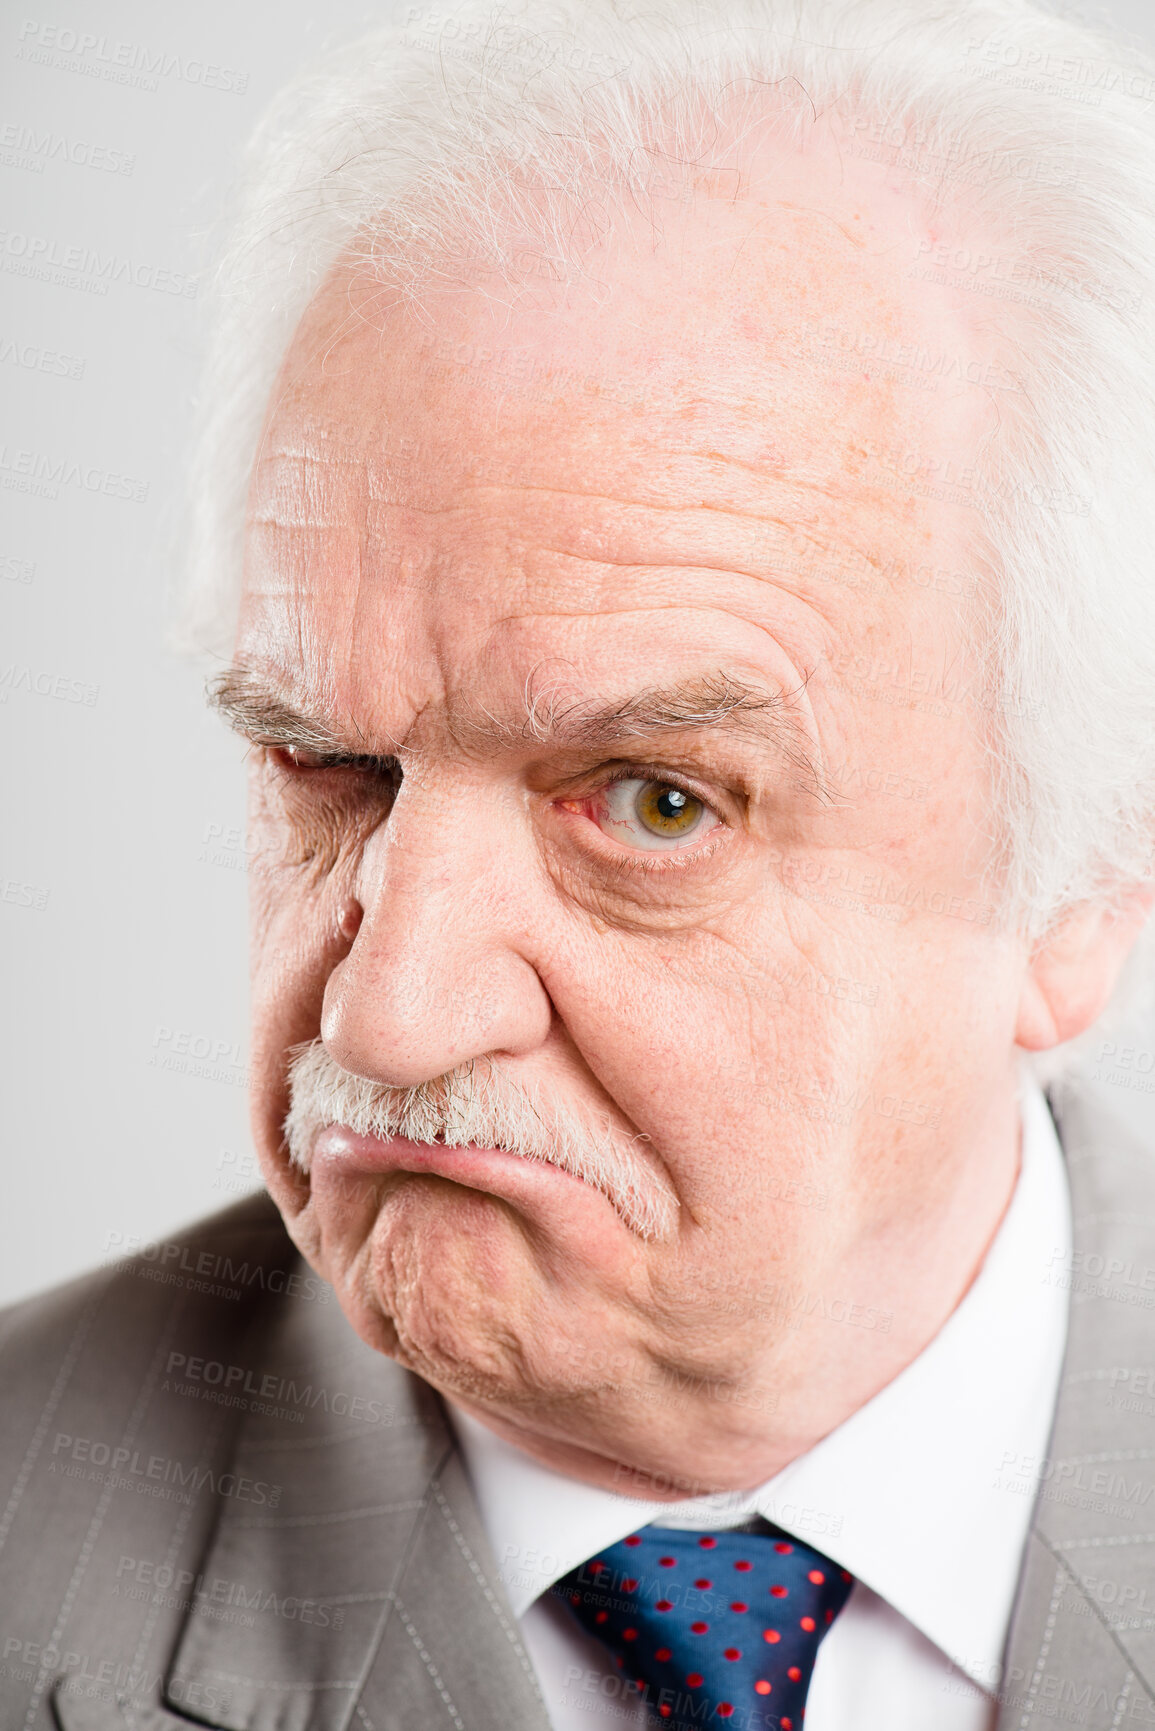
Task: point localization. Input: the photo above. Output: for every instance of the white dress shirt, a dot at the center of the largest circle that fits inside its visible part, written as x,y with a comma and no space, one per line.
911,1494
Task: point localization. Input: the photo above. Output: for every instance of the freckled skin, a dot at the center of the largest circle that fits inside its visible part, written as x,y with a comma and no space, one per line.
641,476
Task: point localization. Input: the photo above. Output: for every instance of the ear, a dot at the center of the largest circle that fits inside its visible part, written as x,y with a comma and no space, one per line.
1073,970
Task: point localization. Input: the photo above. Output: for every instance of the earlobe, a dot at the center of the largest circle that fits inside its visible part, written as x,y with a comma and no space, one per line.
1074,970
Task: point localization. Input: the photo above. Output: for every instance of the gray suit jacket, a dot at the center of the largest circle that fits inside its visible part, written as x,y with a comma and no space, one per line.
218,1506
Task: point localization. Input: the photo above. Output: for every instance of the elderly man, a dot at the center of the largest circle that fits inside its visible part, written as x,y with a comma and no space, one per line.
697,651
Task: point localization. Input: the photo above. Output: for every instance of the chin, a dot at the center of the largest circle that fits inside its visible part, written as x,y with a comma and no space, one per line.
440,1284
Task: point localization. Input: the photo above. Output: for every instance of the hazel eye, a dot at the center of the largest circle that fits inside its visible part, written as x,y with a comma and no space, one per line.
657,815
668,810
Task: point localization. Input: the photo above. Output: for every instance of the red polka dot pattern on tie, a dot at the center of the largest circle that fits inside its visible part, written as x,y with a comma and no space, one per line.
688,1644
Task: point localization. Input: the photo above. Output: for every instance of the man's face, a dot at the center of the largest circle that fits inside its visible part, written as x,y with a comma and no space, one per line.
522,563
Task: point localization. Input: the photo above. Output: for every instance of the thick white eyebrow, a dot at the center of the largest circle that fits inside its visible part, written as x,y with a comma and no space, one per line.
258,708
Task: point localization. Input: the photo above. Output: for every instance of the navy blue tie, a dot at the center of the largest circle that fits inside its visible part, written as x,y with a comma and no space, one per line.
711,1626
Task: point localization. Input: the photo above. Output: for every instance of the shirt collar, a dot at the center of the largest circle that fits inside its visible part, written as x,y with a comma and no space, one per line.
907,1493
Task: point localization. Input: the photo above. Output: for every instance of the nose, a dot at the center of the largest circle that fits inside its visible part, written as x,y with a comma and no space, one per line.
440,970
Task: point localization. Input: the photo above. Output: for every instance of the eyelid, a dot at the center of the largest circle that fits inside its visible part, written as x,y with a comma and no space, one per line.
649,772
629,769
284,758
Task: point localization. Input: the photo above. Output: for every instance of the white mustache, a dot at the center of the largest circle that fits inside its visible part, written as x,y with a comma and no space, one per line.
480,1106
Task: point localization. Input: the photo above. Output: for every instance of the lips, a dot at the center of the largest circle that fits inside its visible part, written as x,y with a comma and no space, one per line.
336,1143
341,1156
339,1149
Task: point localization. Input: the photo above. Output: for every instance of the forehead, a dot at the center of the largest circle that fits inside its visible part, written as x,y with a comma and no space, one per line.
707,421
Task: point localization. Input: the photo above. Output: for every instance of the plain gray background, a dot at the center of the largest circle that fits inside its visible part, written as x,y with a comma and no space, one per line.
122,863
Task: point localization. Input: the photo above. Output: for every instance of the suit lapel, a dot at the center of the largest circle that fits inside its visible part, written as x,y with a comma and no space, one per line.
348,1581
1083,1633
451,1653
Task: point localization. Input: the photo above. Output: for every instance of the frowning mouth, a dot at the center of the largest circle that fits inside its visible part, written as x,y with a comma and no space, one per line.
473,1120
515,1178
340,1151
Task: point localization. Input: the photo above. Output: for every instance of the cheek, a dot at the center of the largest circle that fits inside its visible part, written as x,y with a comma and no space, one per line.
302,873
296,944
713,1038
447,1281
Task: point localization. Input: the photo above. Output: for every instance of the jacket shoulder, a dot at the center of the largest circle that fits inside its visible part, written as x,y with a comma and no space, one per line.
120,1414
82,1348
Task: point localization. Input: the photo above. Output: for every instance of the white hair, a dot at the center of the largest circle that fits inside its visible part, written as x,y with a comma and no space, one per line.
479,125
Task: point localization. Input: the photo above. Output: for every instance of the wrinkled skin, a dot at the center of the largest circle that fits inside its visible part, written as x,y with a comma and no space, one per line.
656,472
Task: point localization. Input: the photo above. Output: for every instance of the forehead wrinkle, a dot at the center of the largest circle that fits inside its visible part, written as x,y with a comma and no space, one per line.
769,576
831,487
607,528
304,489
288,451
